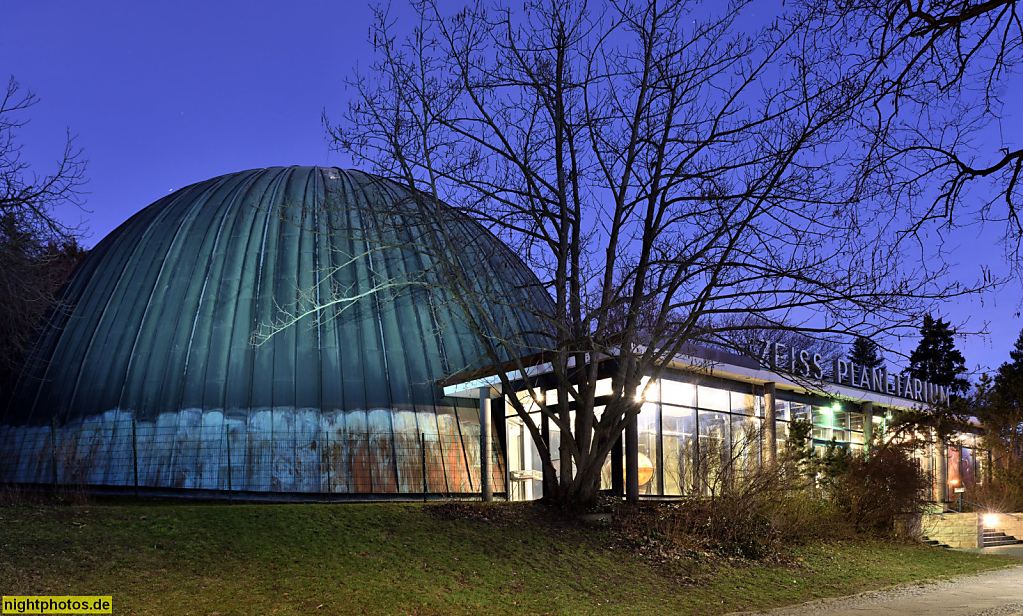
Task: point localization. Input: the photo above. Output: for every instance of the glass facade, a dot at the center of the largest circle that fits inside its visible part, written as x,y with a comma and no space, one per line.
967,463
830,421
696,438
693,438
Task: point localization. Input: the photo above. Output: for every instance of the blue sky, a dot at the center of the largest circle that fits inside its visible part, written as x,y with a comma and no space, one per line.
164,94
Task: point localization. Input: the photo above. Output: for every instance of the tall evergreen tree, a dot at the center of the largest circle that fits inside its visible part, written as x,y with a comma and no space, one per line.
865,353
1003,417
936,359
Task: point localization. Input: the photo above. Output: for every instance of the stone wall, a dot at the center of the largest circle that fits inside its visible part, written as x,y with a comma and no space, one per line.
1010,525
958,530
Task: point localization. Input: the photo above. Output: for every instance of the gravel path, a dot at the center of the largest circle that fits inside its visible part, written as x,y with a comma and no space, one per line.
996,593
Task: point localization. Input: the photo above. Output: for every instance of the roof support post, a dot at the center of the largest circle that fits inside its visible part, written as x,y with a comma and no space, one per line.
868,426
632,457
770,427
940,470
617,470
485,475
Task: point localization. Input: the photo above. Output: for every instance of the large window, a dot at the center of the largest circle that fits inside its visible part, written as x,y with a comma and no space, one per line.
649,450
678,429
829,421
710,437
701,438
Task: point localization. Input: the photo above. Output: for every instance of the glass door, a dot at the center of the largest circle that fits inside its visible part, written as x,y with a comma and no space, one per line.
525,479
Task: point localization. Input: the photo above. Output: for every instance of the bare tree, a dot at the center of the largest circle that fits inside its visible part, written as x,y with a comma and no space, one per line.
668,170
932,131
37,249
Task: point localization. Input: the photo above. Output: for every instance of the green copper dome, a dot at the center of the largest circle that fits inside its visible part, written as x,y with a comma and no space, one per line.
163,327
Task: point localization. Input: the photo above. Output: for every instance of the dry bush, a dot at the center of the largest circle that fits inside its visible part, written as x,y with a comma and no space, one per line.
876,490
754,524
803,516
1003,493
12,494
751,512
727,525
751,515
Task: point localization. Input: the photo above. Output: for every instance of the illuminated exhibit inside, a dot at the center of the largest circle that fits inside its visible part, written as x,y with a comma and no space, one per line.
172,361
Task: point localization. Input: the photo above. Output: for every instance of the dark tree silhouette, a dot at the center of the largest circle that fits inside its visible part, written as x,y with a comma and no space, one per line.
936,359
865,352
1000,411
37,250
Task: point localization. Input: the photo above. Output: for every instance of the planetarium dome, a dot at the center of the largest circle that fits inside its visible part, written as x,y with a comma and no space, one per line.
155,369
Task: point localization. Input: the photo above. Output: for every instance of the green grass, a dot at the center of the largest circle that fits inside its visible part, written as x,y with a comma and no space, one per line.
157,558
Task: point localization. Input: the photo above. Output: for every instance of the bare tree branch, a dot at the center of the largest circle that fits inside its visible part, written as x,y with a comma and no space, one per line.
672,174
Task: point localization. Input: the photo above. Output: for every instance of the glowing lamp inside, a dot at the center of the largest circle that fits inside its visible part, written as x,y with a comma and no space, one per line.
646,469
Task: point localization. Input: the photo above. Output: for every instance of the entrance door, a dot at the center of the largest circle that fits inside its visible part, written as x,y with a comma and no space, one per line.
525,479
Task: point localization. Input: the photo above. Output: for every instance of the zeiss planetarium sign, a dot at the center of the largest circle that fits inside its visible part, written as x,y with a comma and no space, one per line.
799,362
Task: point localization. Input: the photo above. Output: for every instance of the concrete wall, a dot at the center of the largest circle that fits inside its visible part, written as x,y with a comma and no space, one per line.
958,530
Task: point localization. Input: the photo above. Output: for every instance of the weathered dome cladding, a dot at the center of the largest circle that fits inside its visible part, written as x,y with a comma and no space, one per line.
149,369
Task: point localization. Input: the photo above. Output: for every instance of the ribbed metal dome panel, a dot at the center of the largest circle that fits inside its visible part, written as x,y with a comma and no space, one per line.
157,325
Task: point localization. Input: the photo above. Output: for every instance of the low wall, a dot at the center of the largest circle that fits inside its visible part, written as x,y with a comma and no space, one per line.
958,530
1010,525
966,530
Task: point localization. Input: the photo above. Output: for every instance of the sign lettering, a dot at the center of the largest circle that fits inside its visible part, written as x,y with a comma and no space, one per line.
804,363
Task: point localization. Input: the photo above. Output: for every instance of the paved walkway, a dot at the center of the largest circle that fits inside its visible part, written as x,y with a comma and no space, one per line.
1011,550
996,593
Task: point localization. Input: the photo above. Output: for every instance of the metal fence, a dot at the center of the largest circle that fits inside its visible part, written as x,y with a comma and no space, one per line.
265,451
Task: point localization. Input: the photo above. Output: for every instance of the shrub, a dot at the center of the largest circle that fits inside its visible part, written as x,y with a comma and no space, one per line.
876,490
751,517
1003,493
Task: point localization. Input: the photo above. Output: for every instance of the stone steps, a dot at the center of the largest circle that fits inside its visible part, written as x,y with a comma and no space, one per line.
934,543
995,538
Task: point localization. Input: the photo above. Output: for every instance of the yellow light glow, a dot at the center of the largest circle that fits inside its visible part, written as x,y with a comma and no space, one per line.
646,469
645,392
990,520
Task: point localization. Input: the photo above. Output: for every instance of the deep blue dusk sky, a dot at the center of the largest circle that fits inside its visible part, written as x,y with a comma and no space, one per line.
164,94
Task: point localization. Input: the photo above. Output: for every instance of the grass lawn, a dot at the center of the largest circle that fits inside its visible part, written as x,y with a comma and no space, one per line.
158,558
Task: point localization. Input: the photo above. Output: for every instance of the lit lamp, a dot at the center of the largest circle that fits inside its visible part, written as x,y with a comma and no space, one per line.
990,520
646,469
954,482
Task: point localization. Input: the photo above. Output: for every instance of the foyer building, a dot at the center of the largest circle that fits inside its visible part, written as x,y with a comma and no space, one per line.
715,413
